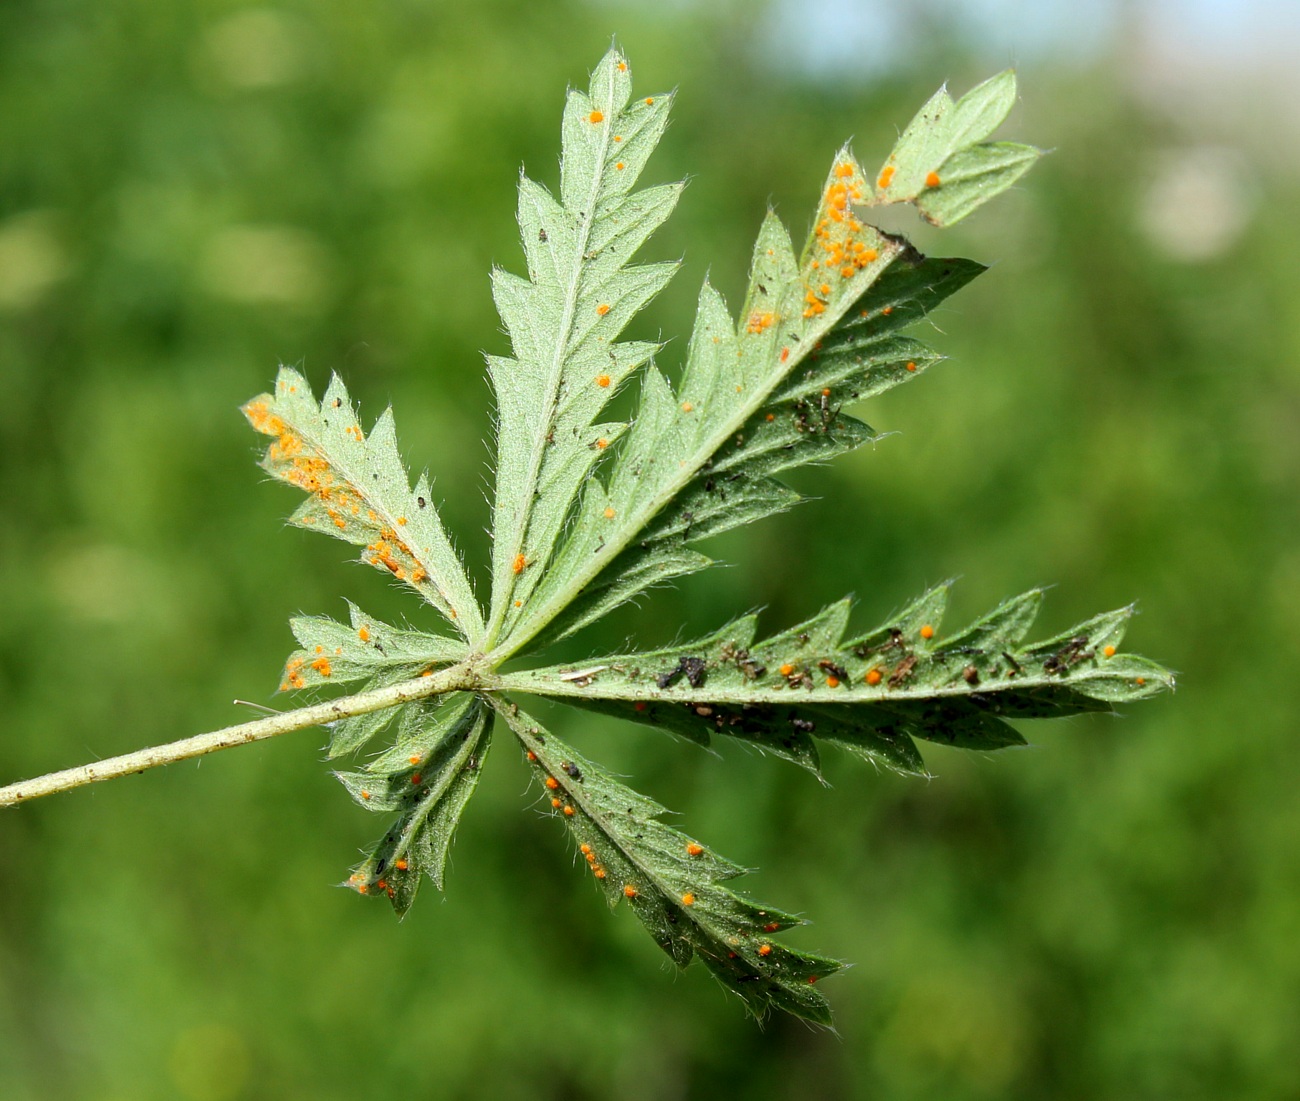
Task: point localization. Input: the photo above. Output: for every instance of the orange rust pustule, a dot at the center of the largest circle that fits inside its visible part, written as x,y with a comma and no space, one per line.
839,251
293,678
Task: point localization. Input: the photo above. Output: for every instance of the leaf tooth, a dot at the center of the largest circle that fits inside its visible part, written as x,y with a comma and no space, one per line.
516,300
983,109
1004,627
611,82
636,286
548,233
1102,631
633,219
973,176
813,639
925,611
923,146
370,791
639,127
854,373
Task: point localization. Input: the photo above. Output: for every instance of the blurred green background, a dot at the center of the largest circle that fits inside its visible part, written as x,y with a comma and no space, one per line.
193,192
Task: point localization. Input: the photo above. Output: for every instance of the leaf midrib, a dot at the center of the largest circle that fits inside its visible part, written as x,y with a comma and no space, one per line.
528,682
531,626
538,455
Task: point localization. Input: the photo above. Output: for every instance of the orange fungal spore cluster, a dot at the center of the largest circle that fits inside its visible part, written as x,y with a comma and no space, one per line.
292,460
390,552
292,677
590,856
842,252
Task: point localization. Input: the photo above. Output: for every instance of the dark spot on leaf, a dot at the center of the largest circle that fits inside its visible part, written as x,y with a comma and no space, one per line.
903,671
690,667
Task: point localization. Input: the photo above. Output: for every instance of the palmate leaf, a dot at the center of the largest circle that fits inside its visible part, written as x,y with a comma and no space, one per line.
672,882
590,511
872,694
564,319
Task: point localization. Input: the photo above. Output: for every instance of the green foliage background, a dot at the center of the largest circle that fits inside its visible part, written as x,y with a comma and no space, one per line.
192,192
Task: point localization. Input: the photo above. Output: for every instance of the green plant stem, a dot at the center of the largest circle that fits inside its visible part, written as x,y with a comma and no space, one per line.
464,675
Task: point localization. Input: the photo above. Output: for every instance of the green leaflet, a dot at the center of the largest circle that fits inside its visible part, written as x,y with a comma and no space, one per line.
358,491
368,650
336,653
672,883
872,694
590,512
943,165
564,319
427,777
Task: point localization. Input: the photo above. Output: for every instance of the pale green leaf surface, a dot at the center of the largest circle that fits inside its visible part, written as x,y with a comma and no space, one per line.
339,653
358,491
872,694
427,778
563,321
350,734
945,140
755,399
672,883
973,177
366,649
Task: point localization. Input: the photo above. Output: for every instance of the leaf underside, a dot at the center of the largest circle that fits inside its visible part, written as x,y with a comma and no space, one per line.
358,491
590,511
873,693
426,777
672,882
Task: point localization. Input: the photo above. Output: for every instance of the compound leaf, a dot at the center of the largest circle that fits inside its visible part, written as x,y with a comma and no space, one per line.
590,511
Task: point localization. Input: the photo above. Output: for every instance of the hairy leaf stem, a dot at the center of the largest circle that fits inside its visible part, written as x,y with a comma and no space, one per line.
464,676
